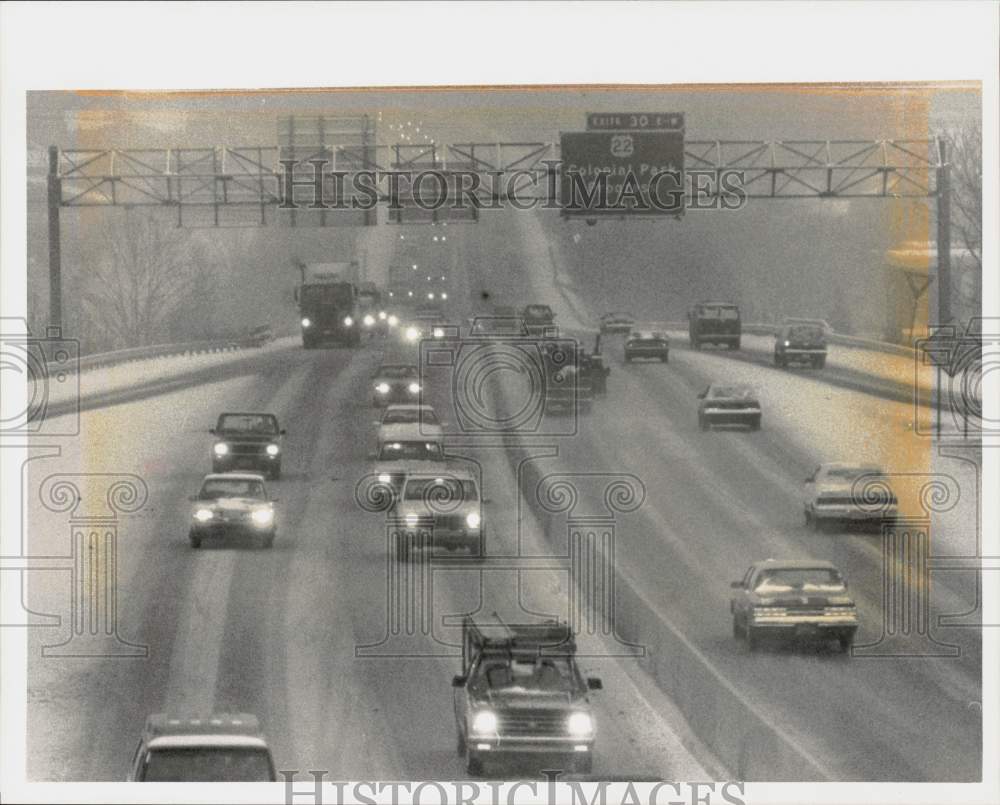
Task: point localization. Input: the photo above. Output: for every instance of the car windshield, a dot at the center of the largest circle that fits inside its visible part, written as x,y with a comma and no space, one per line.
264,424
718,312
410,451
553,674
810,578
538,310
618,316
732,392
646,337
409,416
203,764
808,331
231,488
850,473
397,372
439,490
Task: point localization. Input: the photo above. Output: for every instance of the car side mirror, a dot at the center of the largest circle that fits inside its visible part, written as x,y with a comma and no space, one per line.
458,681
212,431
282,431
809,480
701,396
594,683
736,585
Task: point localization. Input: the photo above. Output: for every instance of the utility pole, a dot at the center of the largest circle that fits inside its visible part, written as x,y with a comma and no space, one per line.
55,256
943,192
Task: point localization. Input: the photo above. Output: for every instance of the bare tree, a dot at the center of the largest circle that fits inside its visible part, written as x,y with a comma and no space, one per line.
966,158
139,281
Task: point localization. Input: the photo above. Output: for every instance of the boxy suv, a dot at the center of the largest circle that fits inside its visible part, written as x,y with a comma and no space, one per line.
714,323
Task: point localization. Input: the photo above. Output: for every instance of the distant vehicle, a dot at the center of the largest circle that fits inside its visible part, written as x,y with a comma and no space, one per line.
617,322
839,492
728,404
395,383
793,599
498,327
438,509
520,693
402,422
232,504
247,441
714,323
397,459
328,303
647,344
219,748
800,343
260,335
569,376
538,318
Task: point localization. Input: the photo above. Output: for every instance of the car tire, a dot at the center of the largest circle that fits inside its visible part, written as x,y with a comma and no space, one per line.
275,472
474,764
736,344
268,540
737,631
460,747
810,522
752,638
755,423
195,540
628,359
819,363
846,642
695,343
777,361
703,424
666,357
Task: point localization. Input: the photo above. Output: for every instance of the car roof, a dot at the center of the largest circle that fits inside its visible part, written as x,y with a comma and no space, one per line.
247,413
457,474
233,476
165,724
409,407
850,465
796,564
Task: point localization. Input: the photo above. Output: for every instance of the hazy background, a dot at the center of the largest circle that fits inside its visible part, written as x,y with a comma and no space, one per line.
132,276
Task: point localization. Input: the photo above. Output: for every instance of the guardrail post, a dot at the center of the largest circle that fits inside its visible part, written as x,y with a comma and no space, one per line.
55,254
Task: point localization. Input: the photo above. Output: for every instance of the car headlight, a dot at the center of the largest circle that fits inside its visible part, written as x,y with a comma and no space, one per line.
473,519
438,332
221,448
382,388
262,516
411,518
788,343
272,449
412,334
414,388
393,320
369,320
580,724
203,515
348,321
485,721
306,322
381,315
444,296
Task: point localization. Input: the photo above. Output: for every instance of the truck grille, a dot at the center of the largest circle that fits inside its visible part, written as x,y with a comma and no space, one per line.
532,723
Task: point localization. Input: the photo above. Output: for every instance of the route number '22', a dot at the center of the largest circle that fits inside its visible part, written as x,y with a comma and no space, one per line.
622,145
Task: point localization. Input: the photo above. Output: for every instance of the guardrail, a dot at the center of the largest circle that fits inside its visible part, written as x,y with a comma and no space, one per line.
118,356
